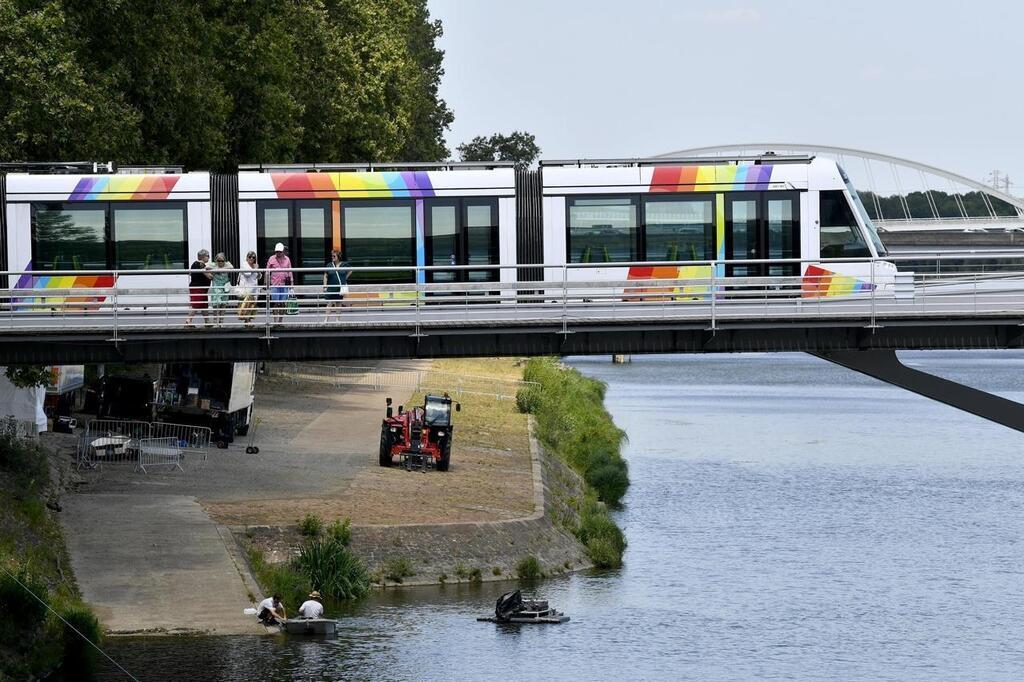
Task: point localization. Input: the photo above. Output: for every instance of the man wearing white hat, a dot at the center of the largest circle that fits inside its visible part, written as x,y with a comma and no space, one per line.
312,608
280,280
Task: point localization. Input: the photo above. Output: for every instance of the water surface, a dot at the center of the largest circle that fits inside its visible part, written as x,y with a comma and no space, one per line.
787,519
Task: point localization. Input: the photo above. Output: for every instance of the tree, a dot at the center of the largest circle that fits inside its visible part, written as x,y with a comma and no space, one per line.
518,147
211,84
29,376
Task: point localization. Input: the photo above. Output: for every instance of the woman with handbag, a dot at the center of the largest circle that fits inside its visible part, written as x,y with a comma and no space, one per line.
248,285
280,281
335,284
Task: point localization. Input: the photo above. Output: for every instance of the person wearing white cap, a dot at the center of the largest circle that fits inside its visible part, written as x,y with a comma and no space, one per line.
280,280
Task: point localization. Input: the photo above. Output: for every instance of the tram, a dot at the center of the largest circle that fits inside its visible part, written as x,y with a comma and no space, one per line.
603,220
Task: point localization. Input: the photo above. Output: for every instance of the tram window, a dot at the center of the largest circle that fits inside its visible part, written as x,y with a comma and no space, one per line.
380,235
312,241
69,237
443,241
782,231
679,230
602,230
149,237
840,235
481,240
274,226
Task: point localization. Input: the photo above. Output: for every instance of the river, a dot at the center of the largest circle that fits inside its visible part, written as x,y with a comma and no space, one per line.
786,519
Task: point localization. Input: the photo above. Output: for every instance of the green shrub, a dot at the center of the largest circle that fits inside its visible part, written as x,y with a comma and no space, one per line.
19,610
603,539
311,526
281,579
461,572
496,570
80,657
333,569
397,568
572,421
341,531
475,575
529,568
23,462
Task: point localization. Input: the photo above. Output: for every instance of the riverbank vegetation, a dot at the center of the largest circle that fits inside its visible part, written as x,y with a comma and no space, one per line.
325,563
573,423
34,642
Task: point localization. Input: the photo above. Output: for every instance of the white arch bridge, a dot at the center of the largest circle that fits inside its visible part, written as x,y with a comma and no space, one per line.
901,194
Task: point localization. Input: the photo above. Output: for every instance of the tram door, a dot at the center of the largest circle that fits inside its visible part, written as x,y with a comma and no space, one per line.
462,232
761,226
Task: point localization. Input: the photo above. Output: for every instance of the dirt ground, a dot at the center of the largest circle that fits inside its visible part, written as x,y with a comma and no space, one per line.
325,442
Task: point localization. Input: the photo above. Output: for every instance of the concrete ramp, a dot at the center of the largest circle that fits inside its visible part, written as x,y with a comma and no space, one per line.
156,563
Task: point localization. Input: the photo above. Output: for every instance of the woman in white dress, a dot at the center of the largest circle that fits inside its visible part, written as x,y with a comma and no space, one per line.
248,286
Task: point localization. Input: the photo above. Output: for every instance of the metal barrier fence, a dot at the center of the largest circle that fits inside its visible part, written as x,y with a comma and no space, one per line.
109,441
428,380
710,292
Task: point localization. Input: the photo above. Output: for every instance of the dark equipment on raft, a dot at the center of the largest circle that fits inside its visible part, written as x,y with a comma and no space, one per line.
512,608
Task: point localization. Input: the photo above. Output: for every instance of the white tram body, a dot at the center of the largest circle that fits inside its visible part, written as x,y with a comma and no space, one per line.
101,224
603,221
599,215
390,219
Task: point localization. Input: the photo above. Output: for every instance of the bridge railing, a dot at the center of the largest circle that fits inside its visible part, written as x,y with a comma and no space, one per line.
705,292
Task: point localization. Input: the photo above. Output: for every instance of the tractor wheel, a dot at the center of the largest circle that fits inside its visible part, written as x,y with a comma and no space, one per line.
385,448
446,456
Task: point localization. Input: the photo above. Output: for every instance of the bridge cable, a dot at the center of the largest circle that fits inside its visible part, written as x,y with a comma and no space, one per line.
959,200
928,195
76,630
874,190
899,190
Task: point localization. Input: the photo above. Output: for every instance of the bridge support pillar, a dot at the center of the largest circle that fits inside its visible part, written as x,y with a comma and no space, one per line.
620,359
885,366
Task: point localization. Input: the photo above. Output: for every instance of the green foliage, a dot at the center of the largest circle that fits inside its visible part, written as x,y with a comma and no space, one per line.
80,657
29,376
572,421
19,610
211,84
461,572
519,147
496,570
341,531
333,569
24,464
603,539
312,526
282,579
476,575
529,568
398,568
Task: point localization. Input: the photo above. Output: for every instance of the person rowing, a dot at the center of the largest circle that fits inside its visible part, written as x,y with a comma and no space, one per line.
271,611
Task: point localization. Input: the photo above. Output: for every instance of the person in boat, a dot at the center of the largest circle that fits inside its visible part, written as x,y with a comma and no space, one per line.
312,608
271,611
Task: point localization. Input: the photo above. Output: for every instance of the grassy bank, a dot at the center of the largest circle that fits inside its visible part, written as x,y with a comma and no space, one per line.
572,423
34,643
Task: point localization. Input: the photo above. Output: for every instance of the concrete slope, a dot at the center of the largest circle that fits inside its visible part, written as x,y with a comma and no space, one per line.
155,564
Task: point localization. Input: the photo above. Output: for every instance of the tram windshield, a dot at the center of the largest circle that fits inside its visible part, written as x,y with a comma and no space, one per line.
862,212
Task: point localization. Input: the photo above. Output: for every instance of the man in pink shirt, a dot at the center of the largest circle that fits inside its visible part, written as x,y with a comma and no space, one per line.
280,280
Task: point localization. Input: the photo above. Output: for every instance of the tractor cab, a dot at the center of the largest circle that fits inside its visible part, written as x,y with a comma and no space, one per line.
437,410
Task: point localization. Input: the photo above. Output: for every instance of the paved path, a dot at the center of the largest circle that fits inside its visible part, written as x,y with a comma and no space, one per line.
155,563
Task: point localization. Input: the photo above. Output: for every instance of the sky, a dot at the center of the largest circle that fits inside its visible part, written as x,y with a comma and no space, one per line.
936,82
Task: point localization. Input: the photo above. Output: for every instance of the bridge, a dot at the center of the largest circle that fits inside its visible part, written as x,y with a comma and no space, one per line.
857,322
904,196
979,307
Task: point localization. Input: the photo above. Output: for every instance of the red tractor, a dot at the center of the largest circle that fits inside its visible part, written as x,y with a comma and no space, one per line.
421,437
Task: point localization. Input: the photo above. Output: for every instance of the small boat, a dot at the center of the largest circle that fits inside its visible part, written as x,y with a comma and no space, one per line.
321,627
511,607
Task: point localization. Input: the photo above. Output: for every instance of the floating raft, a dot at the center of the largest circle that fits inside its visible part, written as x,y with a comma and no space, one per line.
321,627
524,611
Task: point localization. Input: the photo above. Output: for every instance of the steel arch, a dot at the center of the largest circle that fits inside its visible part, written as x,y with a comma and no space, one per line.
847,151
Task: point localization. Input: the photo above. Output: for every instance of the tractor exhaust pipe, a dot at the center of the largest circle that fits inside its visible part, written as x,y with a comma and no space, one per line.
388,402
